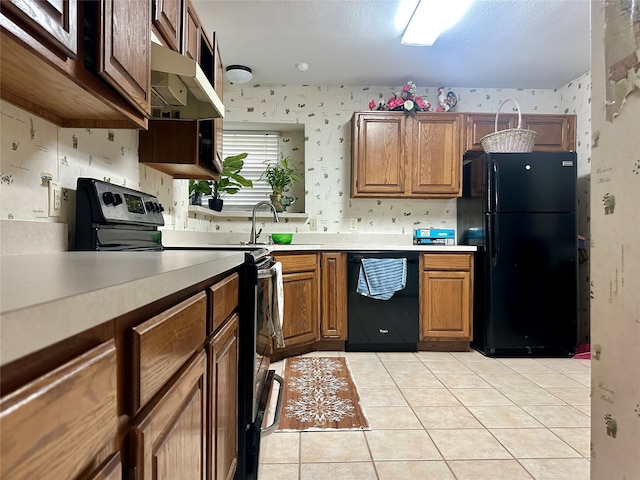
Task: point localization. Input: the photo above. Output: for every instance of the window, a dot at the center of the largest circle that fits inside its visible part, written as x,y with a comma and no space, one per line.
262,147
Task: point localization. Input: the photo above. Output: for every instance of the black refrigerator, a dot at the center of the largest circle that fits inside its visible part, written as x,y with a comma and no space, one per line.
519,209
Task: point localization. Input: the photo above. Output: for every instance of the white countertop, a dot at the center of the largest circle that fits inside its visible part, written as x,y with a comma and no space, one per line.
49,297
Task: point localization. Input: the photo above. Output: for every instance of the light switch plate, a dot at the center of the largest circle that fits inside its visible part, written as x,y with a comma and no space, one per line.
353,224
55,198
313,223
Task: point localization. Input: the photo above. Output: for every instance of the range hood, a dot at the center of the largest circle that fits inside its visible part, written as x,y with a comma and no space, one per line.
180,89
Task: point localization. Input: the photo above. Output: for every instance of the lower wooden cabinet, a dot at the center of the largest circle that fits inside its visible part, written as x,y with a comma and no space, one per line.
58,425
222,351
333,321
301,292
169,442
446,293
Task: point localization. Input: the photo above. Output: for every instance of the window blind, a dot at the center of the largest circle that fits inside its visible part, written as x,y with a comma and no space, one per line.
262,148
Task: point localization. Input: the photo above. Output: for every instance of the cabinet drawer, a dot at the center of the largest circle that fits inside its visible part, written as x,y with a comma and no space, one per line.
224,300
162,344
298,263
446,261
54,426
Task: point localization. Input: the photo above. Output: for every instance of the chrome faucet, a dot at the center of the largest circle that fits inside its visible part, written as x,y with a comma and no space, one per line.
253,238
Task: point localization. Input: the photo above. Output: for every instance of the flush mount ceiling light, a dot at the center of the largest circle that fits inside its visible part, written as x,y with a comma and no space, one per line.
238,74
303,67
431,18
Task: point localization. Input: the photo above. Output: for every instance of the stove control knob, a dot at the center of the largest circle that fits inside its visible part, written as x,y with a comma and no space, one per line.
160,207
107,197
150,206
117,199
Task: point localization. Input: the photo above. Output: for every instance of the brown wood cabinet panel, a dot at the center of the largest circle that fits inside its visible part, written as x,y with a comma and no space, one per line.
436,155
161,345
75,96
333,323
300,323
481,124
54,426
124,63
167,19
446,297
378,154
55,22
111,470
173,147
298,263
406,156
169,442
553,132
192,32
223,403
223,300
445,305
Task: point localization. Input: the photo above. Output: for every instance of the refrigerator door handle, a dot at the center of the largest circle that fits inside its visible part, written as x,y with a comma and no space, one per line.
495,187
493,235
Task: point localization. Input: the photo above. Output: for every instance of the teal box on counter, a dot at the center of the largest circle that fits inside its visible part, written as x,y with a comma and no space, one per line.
434,233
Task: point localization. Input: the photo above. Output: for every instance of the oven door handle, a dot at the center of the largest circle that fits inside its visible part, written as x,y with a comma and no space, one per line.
278,412
266,273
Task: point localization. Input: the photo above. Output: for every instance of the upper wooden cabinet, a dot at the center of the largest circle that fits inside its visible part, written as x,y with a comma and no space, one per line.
74,64
167,21
192,32
123,63
406,156
554,132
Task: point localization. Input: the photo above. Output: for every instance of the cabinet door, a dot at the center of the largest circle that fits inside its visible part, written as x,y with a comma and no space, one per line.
446,297
480,124
218,86
436,155
123,63
167,18
192,32
223,403
333,324
169,442
378,154
554,132
55,22
56,425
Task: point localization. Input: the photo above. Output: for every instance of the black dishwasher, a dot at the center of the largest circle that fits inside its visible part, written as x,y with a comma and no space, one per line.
383,325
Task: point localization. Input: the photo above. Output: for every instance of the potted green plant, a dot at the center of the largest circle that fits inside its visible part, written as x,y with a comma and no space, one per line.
198,188
280,176
230,180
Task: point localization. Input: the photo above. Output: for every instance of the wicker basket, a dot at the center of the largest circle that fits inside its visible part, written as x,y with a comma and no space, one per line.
512,140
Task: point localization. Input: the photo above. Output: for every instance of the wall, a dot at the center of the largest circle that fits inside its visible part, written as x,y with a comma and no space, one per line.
615,273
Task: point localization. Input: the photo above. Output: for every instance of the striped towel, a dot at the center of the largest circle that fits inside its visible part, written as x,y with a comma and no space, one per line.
380,278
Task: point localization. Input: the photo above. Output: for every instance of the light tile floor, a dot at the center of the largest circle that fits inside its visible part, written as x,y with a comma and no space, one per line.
440,415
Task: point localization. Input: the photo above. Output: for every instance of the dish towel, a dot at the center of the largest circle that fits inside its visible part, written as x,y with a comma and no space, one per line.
276,301
380,278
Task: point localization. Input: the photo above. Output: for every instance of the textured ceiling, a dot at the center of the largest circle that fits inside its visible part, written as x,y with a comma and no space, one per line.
498,44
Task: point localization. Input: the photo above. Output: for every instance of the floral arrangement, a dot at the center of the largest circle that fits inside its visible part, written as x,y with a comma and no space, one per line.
406,100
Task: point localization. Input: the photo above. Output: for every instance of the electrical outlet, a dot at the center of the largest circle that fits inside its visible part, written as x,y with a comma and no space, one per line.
353,224
55,198
313,223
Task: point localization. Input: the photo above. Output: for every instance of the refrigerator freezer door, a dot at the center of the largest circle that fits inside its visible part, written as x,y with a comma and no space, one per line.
531,182
531,283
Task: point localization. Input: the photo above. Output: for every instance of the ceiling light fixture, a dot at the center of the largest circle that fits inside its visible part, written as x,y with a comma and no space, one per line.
303,67
431,18
238,74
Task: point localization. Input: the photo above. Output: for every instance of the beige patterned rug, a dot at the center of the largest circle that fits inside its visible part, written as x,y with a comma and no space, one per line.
320,394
